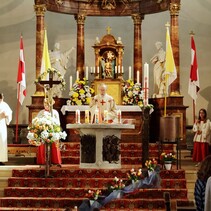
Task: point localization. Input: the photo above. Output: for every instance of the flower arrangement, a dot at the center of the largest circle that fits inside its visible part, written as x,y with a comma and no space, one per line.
135,175
94,194
81,93
151,164
133,94
117,184
54,72
167,157
44,130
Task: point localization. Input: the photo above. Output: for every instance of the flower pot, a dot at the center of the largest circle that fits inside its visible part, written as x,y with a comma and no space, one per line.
168,165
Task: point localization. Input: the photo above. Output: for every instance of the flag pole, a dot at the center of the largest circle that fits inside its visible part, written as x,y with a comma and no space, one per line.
17,115
194,111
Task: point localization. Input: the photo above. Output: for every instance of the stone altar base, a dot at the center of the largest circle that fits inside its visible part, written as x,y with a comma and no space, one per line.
100,144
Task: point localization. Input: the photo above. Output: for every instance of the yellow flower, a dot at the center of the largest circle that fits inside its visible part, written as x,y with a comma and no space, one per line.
81,91
75,94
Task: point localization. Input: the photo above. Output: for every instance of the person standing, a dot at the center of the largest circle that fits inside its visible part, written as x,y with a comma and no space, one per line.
103,101
55,151
201,138
203,174
5,119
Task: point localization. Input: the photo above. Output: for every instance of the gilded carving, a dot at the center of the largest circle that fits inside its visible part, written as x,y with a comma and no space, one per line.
40,9
80,18
174,9
137,18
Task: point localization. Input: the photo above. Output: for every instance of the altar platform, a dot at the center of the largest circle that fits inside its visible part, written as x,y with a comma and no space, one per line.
100,144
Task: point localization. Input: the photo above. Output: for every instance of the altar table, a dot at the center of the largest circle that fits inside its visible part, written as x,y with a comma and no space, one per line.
130,114
100,136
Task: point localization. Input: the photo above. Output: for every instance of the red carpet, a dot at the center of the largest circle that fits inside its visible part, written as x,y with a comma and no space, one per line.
27,190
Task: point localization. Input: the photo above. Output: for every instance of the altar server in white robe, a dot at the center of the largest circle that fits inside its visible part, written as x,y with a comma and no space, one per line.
5,119
103,101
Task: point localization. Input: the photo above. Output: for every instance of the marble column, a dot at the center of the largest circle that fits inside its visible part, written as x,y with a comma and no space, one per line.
174,33
137,66
80,60
40,10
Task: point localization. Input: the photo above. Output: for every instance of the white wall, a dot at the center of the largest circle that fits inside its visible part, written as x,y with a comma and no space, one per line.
18,16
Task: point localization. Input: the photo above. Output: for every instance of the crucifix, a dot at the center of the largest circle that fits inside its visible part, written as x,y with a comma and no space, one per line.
48,86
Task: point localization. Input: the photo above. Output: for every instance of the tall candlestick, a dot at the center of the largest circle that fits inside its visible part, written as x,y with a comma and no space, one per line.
119,116
130,73
87,73
146,83
77,75
77,116
87,116
138,75
71,82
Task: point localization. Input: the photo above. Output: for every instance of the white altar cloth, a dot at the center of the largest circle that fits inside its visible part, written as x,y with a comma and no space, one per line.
123,108
100,131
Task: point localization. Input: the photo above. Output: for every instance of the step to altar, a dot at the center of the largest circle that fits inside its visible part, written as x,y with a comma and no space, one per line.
27,188
131,153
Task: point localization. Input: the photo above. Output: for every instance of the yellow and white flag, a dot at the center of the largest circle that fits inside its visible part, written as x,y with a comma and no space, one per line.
170,68
45,64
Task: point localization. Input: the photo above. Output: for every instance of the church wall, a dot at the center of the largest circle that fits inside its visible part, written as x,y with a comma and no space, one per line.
62,28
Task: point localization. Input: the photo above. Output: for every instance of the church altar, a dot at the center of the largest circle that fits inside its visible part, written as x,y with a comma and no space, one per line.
99,146
130,114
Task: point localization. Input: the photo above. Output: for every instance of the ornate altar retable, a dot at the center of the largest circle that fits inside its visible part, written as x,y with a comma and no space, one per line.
100,144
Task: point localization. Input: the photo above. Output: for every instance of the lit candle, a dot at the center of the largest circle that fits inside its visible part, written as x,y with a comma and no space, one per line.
116,69
97,116
77,75
87,116
87,73
105,116
119,116
77,116
146,83
130,73
93,69
138,75
98,70
71,82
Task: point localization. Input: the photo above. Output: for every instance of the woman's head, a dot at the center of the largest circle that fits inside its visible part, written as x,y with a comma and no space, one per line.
202,114
204,171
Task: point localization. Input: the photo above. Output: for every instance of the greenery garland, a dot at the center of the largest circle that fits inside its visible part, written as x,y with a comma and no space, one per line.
54,72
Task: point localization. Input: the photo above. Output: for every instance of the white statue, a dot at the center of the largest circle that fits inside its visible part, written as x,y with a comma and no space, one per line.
59,61
159,68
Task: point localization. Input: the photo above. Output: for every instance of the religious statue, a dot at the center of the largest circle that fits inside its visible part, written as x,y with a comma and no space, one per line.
159,68
108,64
59,61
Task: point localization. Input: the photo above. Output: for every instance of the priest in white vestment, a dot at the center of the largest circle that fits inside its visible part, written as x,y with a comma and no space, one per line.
103,101
5,119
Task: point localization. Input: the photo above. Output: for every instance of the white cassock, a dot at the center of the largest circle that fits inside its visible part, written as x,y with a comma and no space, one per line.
4,121
105,102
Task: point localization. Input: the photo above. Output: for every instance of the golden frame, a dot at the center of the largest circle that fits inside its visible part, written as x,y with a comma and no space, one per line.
114,88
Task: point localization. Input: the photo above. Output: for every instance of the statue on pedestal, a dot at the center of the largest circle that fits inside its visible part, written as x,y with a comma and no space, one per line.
159,68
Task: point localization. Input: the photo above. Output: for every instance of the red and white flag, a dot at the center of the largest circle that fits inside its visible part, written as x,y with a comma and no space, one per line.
193,87
21,78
